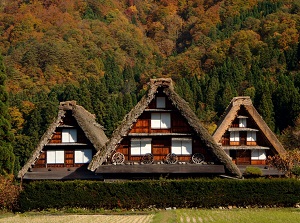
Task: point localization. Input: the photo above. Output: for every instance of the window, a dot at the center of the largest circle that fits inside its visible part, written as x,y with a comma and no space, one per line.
140,146
182,146
242,122
69,135
160,102
160,120
251,136
83,155
55,156
258,154
234,136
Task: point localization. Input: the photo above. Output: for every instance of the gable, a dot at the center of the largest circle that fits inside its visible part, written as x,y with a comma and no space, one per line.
242,108
138,122
67,147
70,141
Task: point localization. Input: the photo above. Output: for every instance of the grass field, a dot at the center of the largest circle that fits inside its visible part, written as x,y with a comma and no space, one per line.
286,215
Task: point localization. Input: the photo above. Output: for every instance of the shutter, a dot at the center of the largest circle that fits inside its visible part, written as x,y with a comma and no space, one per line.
60,156
237,136
165,120
155,120
254,154
249,136
145,147
50,156
73,135
254,136
242,122
262,155
234,136
135,147
176,146
65,135
87,156
160,102
78,156
186,147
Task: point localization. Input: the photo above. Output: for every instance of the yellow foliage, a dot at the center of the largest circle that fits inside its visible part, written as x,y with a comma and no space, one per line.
17,119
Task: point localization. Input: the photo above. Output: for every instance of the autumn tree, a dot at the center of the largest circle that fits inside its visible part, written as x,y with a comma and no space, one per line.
287,163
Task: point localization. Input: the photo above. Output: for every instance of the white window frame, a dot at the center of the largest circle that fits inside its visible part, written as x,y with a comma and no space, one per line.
83,155
234,136
69,135
242,122
55,156
251,136
182,146
160,102
160,120
258,154
140,146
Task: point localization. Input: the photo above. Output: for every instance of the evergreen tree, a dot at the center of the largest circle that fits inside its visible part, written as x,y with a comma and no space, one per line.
286,102
227,94
212,92
7,157
266,108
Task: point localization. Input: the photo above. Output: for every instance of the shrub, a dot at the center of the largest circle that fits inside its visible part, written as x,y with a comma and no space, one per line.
9,193
159,193
252,171
296,171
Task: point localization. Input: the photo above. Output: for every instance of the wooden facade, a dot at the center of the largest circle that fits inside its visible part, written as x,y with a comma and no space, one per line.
161,139
67,147
244,136
162,135
69,150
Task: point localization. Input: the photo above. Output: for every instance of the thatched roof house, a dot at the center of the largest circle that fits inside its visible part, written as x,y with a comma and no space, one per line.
163,87
88,137
241,130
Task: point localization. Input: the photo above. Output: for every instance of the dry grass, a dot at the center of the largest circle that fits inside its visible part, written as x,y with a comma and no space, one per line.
78,219
262,215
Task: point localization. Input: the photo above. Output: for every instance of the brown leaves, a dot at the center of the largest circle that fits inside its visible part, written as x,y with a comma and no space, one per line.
9,193
285,162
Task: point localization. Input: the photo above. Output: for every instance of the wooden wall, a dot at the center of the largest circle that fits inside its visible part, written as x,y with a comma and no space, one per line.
161,147
56,138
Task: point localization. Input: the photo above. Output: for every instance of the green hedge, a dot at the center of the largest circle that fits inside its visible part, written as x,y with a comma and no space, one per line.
161,193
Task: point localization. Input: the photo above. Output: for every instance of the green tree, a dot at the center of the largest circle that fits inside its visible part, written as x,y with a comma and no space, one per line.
7,157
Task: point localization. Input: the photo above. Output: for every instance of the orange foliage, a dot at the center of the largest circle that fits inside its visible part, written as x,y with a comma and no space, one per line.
285,162
9,193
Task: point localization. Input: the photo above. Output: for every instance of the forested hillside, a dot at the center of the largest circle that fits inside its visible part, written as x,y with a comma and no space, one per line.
102,52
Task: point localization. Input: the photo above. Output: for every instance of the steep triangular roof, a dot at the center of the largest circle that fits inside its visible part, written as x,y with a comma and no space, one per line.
183,108
231,113
86,121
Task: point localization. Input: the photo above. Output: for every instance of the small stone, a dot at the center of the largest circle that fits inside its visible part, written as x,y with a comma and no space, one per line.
168,209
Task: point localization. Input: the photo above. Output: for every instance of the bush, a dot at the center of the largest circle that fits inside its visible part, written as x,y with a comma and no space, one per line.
253,172
296,171
9,193
159,193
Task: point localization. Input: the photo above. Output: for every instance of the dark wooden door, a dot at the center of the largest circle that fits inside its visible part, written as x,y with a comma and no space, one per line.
243,138
243,157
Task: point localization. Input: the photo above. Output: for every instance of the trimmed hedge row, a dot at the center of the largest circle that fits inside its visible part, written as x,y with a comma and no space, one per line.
161,193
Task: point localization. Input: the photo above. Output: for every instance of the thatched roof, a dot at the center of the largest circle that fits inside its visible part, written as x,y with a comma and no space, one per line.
86,121
231,113
183,108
